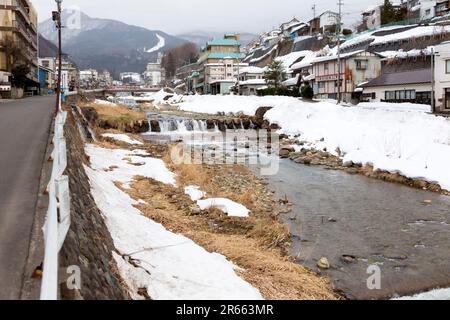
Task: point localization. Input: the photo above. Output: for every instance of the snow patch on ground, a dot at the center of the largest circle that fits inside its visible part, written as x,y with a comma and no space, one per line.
227,206
194,192
112,163
167,265
105,103
122,138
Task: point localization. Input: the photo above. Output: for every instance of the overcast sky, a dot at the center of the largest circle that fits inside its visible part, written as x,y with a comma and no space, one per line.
179,16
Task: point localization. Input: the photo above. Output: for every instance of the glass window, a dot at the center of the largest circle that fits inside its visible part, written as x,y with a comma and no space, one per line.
447,66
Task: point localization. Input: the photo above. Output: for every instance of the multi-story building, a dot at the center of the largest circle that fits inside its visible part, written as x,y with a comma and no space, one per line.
442,8
402,79
251,79
105,79
356,68
89,79
70,75
18,45
131,78
442,77
323,22
219,65
155,74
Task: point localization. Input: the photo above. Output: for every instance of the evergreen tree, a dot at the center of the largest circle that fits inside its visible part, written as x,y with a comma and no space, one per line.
275,75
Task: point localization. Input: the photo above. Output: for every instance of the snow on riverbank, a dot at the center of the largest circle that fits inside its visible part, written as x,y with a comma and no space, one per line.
167,265
227,206
440,294
228,104
410,142
122,138
400,138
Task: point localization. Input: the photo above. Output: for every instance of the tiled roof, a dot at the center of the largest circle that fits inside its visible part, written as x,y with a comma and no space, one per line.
407,77
223,42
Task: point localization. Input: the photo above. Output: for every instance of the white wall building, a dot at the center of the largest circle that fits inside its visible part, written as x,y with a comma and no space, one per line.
251,79
442,77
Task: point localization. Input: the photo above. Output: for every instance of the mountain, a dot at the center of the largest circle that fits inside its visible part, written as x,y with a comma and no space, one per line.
47,48
201,37
109,44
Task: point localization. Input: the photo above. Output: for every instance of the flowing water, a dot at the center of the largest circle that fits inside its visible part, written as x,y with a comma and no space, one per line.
353,221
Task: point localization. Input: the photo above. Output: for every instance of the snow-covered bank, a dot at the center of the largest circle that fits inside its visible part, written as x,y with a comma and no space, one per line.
122,138
167,265
439,294
400,138
406,141
229,104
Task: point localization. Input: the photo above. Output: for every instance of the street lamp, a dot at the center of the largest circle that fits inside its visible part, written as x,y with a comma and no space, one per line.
57,18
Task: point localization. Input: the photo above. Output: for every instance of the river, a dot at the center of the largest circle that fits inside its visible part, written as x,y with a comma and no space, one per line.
357,222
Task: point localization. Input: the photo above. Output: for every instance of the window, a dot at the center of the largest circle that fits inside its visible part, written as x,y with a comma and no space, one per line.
400,95
325,66
362,64
447,66
428,12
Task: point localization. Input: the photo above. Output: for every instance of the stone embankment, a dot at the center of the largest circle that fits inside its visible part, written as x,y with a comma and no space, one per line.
88,244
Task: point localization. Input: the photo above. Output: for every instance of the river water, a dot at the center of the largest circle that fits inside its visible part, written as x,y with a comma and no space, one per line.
336,214
357,222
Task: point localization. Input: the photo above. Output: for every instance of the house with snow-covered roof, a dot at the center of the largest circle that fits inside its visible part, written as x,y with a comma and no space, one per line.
405,77
323,22
251,79
356,68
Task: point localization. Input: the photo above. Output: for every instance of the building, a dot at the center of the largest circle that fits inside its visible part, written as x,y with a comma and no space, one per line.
219,65
69,75
371,18
442,77
421,10
155,74
18,46
251,79
130,78
442,8
105,79
324,22
402,79
356,68
46,80
408,86
89,75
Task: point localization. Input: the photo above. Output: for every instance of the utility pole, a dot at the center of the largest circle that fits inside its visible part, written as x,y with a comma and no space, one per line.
433,82
338,32
57,19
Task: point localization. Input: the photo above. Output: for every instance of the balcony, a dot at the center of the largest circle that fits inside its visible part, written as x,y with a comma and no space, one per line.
22,9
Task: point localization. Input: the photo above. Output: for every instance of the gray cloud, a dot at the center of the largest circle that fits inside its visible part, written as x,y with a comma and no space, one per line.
178,16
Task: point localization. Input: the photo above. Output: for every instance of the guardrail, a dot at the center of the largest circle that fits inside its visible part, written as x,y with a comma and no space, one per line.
57,222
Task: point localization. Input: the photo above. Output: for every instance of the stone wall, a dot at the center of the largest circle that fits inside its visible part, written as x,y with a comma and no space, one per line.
88,243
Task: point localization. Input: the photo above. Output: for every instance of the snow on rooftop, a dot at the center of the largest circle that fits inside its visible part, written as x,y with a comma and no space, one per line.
289,59
250,69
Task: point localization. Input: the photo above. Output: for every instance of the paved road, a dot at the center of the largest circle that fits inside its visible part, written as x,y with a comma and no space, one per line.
24,130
